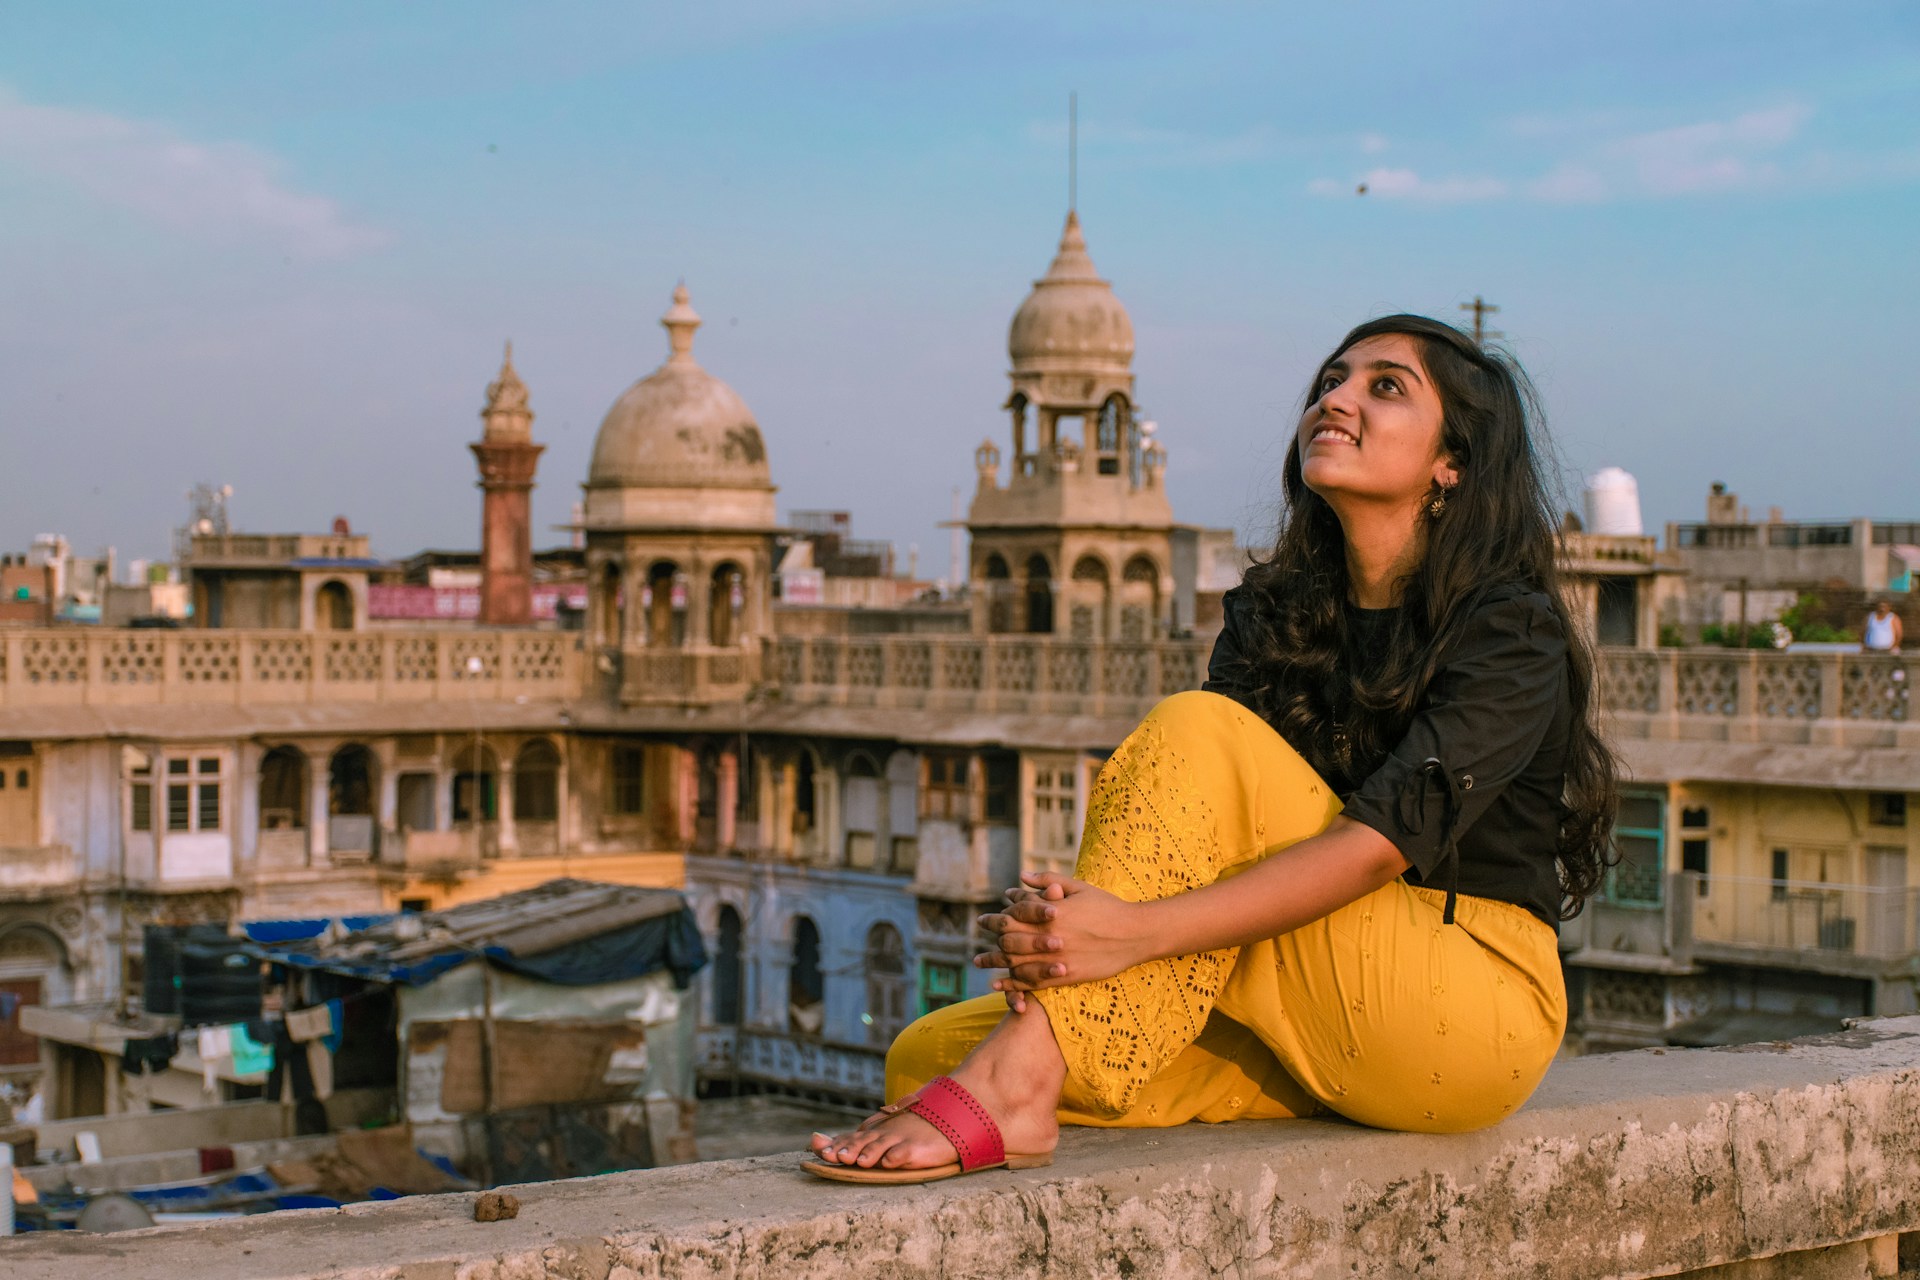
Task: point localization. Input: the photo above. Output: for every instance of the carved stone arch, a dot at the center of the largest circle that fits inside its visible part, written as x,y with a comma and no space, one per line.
1139,598
1089,598
1039,595
536,781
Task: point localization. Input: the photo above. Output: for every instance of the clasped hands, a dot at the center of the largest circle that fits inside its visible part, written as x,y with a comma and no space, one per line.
1055,930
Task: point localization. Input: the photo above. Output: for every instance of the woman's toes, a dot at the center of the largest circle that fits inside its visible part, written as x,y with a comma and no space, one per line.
873,1152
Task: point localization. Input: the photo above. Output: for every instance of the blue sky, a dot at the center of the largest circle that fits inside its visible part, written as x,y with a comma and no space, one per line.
279,246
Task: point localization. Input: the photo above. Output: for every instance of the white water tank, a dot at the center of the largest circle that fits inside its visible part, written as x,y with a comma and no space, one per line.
1613,503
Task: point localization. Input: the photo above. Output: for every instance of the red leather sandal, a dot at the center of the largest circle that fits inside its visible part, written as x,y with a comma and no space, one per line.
961,1120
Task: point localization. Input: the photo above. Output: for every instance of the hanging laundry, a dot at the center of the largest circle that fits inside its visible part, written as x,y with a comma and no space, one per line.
310,1024
215,1043
149,1055
336,1010
250,1056
320,1063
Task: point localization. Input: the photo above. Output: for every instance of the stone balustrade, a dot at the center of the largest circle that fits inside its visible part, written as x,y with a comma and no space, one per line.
101,668
1757,695
1695,693
1789,1159
985,673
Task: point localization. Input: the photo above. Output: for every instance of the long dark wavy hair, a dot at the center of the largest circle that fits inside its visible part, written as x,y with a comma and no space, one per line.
1497,530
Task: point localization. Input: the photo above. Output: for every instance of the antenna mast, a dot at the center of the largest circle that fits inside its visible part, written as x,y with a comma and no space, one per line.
1481,309
1073,150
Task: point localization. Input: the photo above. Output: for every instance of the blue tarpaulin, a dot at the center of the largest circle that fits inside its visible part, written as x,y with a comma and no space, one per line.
567,932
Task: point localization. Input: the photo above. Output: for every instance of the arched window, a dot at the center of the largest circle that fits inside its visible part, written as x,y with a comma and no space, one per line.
1087,592
1139,599
476,796
1000,593
613,604
1018,407
333,607
1108,432
36,969
666,606
887,987
350,779
536,782
726,602
283,790
1039,596
352,784
804,816
727,1004
806,988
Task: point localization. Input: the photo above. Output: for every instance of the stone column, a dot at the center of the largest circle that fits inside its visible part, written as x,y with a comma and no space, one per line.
503,783
318,773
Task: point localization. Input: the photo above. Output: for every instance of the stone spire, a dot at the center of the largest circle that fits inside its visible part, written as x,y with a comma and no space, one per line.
1072,263
680,322
508,419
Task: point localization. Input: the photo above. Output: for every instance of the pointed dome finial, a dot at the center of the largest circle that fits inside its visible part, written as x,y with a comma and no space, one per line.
680,322
507,416
1072,262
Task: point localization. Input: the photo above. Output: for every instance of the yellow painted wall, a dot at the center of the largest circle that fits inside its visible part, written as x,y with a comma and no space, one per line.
1835,854
508,875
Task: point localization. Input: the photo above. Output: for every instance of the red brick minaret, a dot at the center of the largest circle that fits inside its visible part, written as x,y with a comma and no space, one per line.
507,456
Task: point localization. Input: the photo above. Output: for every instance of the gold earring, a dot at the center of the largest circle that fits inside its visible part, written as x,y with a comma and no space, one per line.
1438,506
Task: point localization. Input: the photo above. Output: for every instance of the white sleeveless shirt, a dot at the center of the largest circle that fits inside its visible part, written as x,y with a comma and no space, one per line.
1879,632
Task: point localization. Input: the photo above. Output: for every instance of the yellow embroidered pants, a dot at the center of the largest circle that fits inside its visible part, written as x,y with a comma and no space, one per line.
1378,1012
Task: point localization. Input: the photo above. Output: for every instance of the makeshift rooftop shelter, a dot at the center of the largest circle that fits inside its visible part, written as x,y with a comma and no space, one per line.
567,996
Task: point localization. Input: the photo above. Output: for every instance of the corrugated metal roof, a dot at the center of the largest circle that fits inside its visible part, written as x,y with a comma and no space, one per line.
529,922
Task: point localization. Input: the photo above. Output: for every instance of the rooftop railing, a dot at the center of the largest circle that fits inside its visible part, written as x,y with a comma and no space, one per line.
265,548
1720,692
1710,693
1723,915
1034,674
73,667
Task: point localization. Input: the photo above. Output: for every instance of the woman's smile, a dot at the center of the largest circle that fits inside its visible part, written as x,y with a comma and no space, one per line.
1378,398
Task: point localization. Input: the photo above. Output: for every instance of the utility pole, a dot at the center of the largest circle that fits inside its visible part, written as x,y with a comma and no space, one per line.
1481,309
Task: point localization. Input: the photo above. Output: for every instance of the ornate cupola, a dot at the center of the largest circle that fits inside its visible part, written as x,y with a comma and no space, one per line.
679,522
1083,515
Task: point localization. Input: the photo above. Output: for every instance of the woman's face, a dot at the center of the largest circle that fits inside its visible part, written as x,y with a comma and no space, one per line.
1372,434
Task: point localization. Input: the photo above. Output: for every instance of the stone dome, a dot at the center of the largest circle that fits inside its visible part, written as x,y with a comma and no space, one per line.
679,427
1071,319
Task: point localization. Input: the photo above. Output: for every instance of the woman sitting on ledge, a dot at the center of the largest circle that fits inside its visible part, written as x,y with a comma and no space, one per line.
1328,881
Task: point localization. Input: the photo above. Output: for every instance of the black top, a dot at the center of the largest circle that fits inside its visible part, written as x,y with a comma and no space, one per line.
1483,762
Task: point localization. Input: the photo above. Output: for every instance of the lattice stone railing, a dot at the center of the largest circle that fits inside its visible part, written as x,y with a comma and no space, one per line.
127,667
1838,697
988,673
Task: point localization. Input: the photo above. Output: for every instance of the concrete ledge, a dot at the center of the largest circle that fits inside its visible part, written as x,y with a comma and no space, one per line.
1638,1164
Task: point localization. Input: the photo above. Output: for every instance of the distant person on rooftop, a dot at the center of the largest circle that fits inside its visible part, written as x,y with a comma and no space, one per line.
1882,630
1329,880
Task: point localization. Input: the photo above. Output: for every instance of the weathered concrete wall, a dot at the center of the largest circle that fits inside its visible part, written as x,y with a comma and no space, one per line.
1641,1164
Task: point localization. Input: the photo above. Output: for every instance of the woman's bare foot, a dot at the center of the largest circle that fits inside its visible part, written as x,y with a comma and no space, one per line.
1016,1072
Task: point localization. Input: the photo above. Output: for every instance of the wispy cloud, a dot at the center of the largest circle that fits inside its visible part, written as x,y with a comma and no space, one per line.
1749,151
211,188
